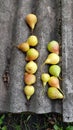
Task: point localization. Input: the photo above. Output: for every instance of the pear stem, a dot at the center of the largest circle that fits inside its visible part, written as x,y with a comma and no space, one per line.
43,91
44,84
42,66
32,31
61,91
60,78
28,97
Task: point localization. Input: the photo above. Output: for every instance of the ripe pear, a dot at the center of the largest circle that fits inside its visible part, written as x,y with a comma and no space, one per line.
52,59
54,93
32,40
55,70
29,91
31,20
45,78
29,78
53,46
32,54
54,81
31,67
24,47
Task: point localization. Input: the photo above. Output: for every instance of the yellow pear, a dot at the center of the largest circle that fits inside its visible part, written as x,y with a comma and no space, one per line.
32,40
29,91
31,67
54,93
29,78
24,47
53,46
31,20
54,81
32,54
52,58
45,78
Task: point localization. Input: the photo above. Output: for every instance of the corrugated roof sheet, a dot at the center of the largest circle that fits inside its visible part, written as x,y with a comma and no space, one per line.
54,22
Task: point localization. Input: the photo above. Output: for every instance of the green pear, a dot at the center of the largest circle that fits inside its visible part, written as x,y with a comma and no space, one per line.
55,70
54,93
53,46
32,54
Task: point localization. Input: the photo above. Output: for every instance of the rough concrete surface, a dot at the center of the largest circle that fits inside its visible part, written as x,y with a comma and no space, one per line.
54,23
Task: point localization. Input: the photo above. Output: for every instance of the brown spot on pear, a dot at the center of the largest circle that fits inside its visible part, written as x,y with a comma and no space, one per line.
54,93
31,20
29,78
54,81
32,54
24,47
29,91
31,67
32,40
53,46
45,78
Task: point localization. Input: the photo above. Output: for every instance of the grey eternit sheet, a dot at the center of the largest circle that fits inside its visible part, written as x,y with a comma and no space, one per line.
54,22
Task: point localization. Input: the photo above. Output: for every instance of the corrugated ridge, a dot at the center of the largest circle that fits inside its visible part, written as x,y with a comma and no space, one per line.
67,58
6,21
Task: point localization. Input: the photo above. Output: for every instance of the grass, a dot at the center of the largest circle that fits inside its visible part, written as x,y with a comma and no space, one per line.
28,121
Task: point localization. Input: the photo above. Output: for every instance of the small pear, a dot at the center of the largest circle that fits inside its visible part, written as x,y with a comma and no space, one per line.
24,47
29,78
55,70
31,67
53,46
54,93
32,54
29,91
32,40
52,59
54,81
31,20
45,78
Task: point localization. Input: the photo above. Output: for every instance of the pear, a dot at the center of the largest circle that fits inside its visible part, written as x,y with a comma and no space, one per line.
29,78
24,47
31,67
54,81
45,78
32,40
53,46
55,70
31,20
54,93
29,91
52,59
32,54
